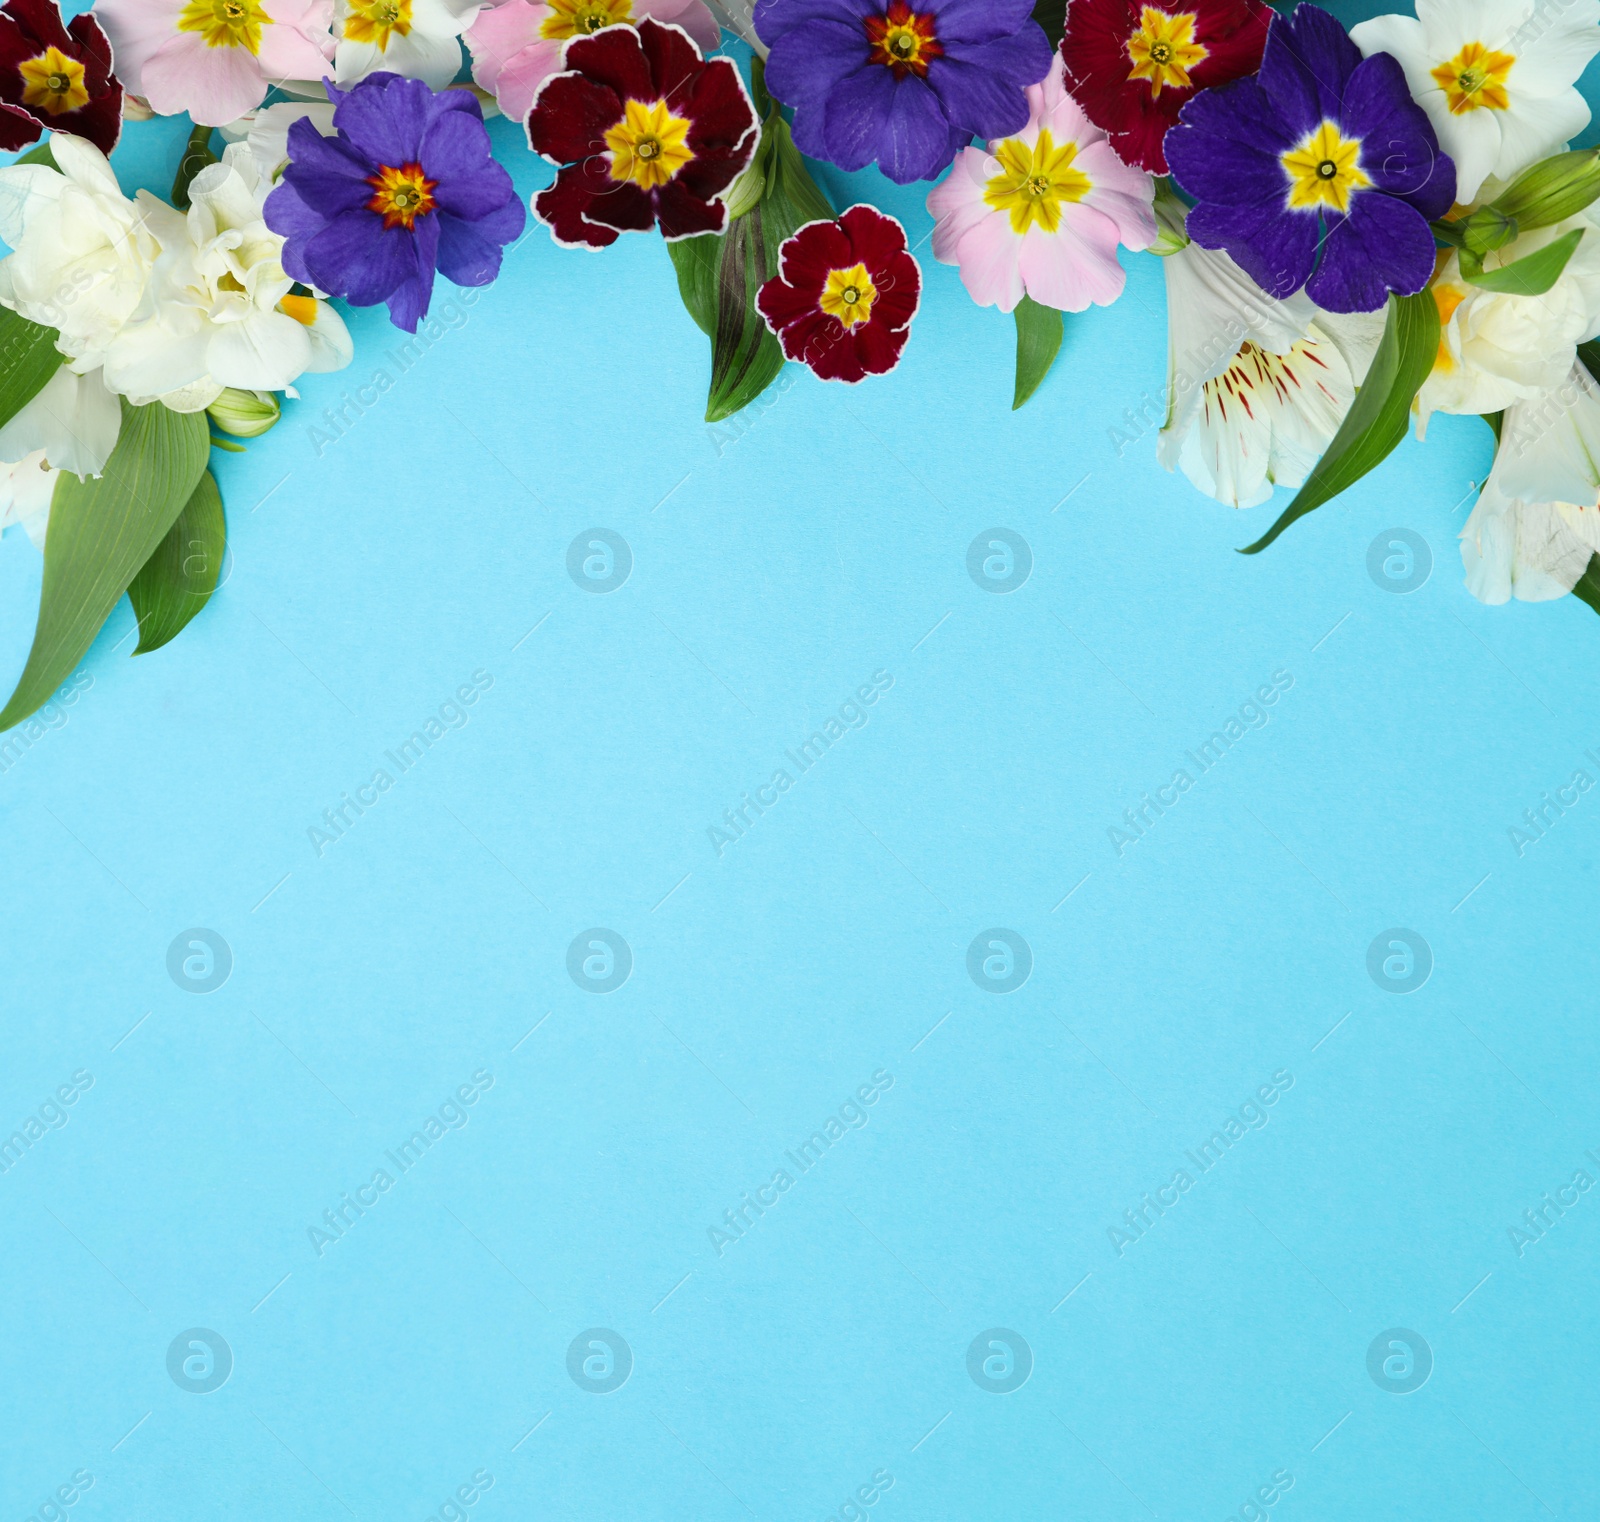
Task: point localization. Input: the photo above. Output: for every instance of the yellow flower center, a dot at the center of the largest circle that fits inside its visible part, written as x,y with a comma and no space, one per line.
226,23
903,40
378,20
649,145
1033,182
577,18
1474,78
400,195
848,295
1325,169
1163,50
53,82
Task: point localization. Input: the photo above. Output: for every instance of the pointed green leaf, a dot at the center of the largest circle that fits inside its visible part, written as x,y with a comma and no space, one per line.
176,582
1588,587
1531,275
39,155
1377,420
745,356
1038,343
28,358
101,531
696,260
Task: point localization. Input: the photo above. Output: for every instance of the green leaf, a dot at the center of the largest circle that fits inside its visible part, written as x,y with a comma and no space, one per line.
1588,585
695,260
1377,420
39,155
1038,343
176,582
1531,275
1496,421
101,531
745,356
28,358
1589,353
196,156
1052,16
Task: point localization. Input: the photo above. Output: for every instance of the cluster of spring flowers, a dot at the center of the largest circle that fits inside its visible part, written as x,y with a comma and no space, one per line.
1359,227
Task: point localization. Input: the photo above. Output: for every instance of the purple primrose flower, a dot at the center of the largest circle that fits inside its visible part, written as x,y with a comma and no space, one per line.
905,84
1320,171
407,187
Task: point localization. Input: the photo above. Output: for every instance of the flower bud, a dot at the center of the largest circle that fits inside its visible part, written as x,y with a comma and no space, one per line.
747,190
1551,191
135,108
1487,229
244,414
1171,217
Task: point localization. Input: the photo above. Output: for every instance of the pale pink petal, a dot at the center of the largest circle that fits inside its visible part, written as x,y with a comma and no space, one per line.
289,53
214,85
313,17
136,29
988,258
1075,266
1067,123
498,35
956,203
691,15
523,74
1123,194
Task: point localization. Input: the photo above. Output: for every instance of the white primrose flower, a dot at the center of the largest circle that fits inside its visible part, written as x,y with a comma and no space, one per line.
1496,77
420,39
83,254
1495,348
1537,520
1255,387
220,310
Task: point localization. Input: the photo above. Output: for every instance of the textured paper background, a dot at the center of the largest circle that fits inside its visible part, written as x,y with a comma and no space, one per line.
777,563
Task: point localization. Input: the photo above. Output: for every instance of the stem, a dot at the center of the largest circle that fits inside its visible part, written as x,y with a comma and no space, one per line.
196,155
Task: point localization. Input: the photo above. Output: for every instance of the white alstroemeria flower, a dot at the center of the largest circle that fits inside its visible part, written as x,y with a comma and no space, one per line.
420,39
1496,349
1537,520
25,492
1496,77
83,254
73,422
1255,387
221,312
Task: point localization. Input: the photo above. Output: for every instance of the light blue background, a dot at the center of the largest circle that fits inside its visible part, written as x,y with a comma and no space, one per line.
777,563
